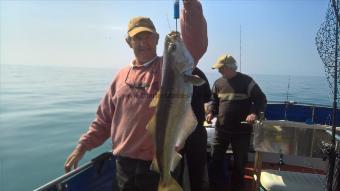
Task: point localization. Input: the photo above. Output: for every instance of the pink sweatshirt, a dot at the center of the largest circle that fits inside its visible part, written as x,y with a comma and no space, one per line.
124,112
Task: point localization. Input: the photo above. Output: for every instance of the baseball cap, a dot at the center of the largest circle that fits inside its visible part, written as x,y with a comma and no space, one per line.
225,60
140,24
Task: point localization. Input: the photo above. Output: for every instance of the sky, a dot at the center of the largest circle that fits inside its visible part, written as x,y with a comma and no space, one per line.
277,36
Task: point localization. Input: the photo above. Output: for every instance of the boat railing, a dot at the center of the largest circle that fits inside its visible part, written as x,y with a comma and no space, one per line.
284,137
290,138
90,176
301,112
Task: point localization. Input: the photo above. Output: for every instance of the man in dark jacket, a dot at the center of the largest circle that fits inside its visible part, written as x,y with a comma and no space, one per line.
196,144
195,148
237,102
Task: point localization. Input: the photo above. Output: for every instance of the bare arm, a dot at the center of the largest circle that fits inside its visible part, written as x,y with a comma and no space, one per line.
98,132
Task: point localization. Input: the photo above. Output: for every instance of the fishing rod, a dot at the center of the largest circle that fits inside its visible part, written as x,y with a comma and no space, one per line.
332,154
176,12
287,98
240,49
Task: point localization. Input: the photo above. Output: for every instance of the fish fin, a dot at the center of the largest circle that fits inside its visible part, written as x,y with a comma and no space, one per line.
170,185
151,126
155,100
154,165
194,79
177,158
187,125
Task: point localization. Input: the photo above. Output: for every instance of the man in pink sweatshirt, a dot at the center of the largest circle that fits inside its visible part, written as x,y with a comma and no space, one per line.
124,111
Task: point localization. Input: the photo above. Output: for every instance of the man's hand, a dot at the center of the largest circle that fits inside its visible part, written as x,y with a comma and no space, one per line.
209,117
73,159
251,118
186,3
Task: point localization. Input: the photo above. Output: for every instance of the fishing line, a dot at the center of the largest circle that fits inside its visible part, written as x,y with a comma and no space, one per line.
167,19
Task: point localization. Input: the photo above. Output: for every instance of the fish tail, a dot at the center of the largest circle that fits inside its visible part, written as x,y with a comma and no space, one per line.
170,185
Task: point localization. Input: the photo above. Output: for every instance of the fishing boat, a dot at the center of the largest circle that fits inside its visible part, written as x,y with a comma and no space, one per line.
295,145
286,153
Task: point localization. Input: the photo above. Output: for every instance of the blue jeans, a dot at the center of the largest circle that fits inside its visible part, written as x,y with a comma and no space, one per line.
135,175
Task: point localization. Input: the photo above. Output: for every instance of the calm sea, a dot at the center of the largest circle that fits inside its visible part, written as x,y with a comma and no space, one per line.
43,111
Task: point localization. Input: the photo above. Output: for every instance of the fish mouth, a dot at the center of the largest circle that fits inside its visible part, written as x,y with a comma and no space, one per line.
174,34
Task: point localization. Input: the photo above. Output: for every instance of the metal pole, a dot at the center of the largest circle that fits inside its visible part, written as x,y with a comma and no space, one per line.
335,6
240,49
332,152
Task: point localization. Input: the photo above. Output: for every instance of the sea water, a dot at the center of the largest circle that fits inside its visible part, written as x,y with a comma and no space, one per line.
44,110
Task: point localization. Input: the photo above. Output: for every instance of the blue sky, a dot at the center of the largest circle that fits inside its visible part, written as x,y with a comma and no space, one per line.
278,36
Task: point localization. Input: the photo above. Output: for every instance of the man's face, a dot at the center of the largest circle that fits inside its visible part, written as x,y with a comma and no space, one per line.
227,72
144,46
222,69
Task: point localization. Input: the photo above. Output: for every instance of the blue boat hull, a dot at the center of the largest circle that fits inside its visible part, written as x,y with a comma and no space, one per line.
312,114
96,175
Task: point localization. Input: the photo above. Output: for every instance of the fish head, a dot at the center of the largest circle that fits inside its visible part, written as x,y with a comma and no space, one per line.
175,50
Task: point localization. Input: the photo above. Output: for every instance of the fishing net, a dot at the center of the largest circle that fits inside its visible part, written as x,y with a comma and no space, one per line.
327,42
326,46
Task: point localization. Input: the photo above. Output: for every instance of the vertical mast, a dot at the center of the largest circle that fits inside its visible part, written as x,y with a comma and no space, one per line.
335,4
240,49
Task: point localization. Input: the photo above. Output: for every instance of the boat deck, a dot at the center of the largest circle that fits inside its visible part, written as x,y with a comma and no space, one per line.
249,180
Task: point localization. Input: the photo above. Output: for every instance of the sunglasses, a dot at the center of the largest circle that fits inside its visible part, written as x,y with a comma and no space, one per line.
137,85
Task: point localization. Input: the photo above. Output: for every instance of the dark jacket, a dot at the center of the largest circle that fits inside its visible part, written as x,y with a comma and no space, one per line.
233,100
201,95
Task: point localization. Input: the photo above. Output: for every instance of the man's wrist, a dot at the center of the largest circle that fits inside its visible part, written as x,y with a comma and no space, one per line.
81,147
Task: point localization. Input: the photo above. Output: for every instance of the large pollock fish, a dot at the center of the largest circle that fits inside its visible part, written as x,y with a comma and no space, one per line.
174,119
